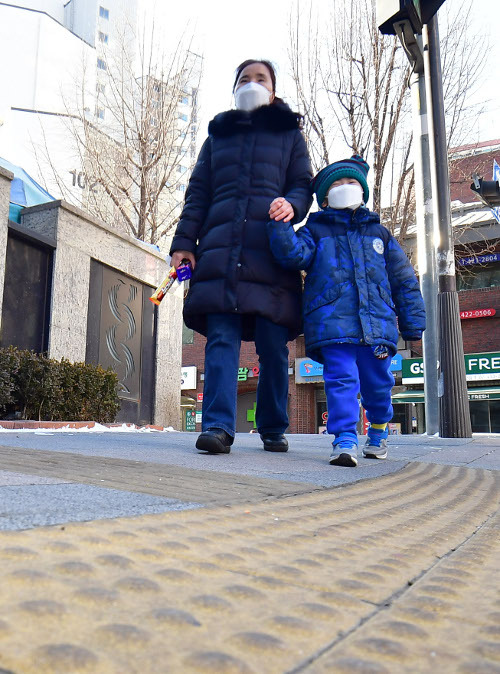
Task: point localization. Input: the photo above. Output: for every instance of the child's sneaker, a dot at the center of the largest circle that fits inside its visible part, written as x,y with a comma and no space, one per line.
345,450
376,444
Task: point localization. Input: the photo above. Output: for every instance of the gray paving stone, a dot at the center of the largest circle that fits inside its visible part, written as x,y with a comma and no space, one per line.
25,507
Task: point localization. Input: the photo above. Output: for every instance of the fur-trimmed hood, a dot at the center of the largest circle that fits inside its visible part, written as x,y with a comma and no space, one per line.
277,117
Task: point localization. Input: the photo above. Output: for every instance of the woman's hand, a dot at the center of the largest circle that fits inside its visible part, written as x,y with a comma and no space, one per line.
180,255
281,209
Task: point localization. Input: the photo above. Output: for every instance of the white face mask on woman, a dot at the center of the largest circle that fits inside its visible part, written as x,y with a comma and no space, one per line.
251,96
348,195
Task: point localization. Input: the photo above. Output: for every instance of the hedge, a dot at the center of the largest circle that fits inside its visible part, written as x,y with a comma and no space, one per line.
33,386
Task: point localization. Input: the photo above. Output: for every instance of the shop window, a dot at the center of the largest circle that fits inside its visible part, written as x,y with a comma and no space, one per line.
495,416
487,276
479,416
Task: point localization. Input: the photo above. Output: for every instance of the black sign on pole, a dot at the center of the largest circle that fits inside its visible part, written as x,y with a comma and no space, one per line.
417,12
487,190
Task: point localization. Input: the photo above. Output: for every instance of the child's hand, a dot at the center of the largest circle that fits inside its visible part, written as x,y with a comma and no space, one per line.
281,209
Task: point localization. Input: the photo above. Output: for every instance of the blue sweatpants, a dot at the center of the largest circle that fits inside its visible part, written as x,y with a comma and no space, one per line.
350,369
221,374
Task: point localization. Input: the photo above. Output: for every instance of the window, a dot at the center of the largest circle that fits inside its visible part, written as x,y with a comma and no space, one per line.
100,88
184,100
181,188
183,117
103,37
103,13
99,113
187,335
181,169
479,276
101,64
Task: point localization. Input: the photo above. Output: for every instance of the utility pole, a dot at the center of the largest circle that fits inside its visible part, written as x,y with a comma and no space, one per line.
454,412
445,392
426,229
426,246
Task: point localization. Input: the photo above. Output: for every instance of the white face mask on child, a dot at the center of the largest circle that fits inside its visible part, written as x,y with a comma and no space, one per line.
251,96
346,196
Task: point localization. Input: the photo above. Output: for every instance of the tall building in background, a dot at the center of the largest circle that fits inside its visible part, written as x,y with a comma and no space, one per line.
55,93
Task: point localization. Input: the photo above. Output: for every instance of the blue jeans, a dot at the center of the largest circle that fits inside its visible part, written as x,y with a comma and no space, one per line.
350,369
222,354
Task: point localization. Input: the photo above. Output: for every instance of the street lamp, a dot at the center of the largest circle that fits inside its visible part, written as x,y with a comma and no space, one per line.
398,17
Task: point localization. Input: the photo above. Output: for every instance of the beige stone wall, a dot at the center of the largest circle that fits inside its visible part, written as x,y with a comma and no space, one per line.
80,238
5,180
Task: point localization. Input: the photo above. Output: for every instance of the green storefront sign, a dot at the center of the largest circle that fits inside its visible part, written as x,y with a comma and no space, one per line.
478,367
190,420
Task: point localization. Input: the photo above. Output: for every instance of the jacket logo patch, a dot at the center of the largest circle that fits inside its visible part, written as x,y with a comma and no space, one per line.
378,246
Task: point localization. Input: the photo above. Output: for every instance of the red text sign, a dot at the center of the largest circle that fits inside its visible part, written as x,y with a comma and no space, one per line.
477,313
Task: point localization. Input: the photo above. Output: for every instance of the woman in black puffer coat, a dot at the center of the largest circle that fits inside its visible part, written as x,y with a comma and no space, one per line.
253,167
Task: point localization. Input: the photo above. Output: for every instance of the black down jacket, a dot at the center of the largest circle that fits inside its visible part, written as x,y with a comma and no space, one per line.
248,159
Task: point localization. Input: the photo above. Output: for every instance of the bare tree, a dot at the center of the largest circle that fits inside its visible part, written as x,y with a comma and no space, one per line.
351,83
134,132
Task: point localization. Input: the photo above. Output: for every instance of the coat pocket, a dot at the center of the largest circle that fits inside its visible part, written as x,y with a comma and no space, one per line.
329,296
386,297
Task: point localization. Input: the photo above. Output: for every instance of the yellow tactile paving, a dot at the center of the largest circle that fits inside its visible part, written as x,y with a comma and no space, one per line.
387,575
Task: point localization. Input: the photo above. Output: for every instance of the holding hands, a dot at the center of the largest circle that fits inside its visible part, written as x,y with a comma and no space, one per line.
281,209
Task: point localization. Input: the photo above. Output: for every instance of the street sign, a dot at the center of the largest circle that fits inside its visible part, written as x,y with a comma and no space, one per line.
417,12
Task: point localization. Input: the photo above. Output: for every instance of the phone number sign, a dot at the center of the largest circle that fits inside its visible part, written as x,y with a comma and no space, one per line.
477,313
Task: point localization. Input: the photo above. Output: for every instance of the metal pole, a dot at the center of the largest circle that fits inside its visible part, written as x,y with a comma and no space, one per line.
426,249
454,413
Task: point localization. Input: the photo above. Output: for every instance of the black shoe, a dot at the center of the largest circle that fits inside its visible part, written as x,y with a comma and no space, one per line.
215,441
274,442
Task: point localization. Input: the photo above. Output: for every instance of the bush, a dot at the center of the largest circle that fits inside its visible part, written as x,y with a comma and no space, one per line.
41,388
8,368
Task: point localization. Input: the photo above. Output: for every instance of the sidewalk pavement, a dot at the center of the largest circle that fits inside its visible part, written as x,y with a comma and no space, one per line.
126,552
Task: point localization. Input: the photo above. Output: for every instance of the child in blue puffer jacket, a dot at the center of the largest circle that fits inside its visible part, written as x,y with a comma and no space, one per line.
360,287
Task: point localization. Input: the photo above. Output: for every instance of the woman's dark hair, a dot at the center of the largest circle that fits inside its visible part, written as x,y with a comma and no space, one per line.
269,66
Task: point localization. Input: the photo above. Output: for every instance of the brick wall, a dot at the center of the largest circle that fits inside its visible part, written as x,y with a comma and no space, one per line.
461,170
480,334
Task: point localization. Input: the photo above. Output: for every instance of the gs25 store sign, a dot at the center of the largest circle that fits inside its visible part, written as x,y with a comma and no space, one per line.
478,366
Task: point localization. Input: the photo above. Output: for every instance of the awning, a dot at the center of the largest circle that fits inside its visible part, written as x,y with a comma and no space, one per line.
408,397
24,191
477,393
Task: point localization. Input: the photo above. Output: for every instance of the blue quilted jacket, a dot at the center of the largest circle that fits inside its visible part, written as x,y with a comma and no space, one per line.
359,285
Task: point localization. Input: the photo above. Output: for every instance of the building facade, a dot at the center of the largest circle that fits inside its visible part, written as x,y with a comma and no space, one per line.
56,116
477,252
